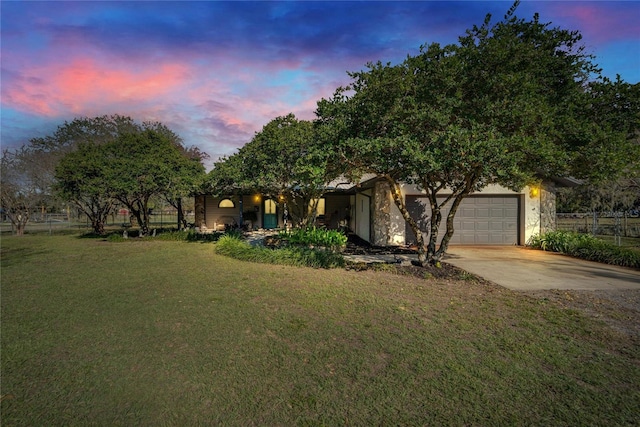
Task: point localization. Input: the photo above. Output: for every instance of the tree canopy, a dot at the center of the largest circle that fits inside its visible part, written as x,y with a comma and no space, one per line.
510,103
286,159
130,164
25,185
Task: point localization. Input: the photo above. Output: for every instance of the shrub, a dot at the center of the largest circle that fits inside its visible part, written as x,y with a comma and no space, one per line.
314,236
587,247
175,235
234,247
116,237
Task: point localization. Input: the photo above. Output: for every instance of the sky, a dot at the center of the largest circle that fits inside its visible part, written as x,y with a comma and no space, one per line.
216,72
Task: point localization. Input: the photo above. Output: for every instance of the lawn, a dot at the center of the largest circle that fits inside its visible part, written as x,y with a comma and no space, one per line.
168,333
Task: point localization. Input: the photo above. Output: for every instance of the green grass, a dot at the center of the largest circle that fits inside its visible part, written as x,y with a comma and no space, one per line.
149,332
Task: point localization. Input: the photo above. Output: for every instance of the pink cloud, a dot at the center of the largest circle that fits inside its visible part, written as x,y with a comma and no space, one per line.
599,22
83,85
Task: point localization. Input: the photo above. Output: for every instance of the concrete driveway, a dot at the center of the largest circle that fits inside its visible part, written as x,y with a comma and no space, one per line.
524,269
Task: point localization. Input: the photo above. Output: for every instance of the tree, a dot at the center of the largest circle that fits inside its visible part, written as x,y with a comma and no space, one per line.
612,183
81,178
507,104
284,159
24,185
190,179
65,139
145,164
109,158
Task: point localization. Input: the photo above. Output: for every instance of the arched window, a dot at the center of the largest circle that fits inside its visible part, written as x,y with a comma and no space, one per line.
226,203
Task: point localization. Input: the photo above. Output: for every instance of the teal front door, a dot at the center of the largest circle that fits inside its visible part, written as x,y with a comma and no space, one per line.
270,217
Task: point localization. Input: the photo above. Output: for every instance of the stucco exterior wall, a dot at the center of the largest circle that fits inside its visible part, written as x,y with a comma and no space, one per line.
215,217
388,223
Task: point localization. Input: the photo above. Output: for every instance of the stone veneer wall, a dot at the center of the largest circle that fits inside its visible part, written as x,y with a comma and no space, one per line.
547,207
381,214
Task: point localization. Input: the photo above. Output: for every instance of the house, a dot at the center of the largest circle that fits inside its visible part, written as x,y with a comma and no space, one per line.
494,216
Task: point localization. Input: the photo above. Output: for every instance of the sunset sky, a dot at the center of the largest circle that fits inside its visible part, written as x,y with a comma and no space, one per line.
216,72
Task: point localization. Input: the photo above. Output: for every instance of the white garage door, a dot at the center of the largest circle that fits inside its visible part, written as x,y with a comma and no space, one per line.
480,220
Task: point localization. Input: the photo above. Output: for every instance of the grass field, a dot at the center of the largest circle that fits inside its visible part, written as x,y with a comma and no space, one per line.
149,332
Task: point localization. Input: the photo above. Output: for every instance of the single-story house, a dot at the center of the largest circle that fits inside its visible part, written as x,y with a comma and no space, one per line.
494,216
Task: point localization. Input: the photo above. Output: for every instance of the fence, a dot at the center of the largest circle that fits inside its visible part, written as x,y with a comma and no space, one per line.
53,223
616,224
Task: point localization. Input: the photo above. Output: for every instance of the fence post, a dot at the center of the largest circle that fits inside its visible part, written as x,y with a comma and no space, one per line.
618,240
594,228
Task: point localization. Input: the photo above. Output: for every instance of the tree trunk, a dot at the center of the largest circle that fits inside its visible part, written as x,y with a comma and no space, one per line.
137,210
396,194
434,227
181,221
444,243
97,225
19,222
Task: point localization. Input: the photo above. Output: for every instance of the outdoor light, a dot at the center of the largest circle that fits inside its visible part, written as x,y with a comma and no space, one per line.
534,191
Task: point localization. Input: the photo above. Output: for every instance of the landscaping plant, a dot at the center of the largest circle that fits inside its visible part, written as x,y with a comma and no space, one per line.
315,236
587,247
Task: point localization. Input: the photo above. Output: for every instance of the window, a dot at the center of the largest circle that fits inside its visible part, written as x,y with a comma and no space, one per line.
226,203
270,207
319,207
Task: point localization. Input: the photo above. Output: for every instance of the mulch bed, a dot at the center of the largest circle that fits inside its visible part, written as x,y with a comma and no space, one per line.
358,246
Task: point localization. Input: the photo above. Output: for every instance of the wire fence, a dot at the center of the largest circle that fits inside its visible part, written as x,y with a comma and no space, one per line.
62,223
619,226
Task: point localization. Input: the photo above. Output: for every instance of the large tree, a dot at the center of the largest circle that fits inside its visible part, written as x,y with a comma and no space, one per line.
25,185
189,180
509,103
145,164
284,159
113,158
81,178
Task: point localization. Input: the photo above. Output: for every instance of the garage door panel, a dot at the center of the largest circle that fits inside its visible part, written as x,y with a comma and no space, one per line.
482,226
466,212
467,225
497,239
466,239
482,213
497,212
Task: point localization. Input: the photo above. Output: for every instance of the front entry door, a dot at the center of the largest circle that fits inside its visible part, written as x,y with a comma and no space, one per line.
270,217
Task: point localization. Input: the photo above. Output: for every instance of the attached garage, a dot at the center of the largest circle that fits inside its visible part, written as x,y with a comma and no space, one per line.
480,220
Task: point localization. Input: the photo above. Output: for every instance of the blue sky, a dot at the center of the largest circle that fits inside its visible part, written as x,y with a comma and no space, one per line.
216,72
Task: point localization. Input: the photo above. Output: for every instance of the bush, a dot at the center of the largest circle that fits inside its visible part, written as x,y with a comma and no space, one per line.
587,247
116,237
314,236
234,247
176,235
187,236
